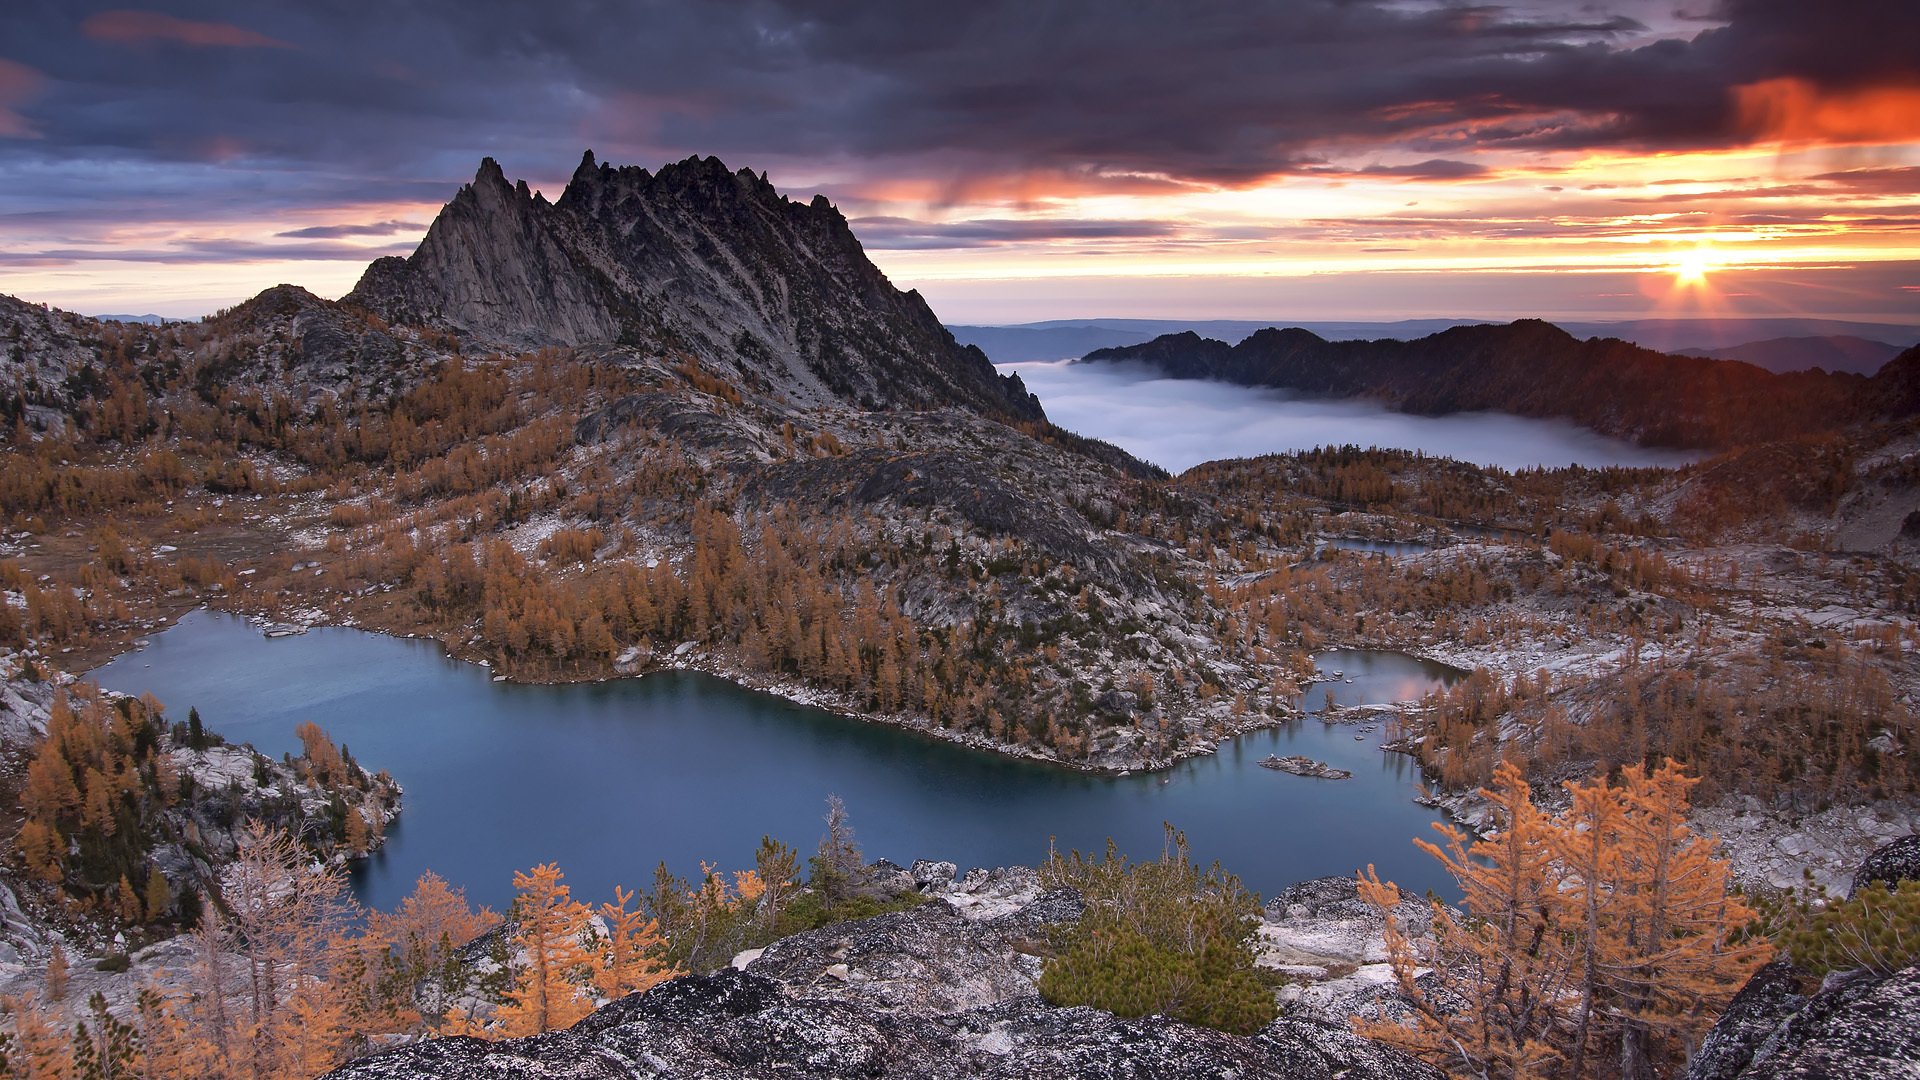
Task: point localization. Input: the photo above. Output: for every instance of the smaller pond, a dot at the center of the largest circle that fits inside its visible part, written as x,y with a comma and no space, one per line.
1370,677
1390,548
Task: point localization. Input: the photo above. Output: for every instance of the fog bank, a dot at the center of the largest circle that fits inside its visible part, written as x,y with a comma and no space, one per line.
1179,423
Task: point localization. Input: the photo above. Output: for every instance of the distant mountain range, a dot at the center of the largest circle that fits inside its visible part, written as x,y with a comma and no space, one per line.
1835,352
1783,344
1534,368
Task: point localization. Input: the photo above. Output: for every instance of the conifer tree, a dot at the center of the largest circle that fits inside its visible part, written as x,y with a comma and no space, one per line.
837,865
1598,942
550,925
630,959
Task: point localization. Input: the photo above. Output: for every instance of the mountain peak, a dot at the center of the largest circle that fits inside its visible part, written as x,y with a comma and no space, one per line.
588,171
697,259
490,174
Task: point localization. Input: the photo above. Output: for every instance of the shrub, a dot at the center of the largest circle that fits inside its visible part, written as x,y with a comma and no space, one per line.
1879,929
1158,937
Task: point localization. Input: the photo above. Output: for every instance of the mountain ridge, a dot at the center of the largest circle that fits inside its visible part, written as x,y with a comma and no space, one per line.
694,259
1533,368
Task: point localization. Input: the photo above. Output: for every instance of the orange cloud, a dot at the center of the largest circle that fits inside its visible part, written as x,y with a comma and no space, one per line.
1795,110
130,26
18,82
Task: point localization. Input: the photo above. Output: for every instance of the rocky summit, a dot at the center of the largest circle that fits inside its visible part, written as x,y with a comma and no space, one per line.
941,991
695,260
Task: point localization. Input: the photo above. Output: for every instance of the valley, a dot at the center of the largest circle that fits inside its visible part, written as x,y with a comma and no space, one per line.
676,426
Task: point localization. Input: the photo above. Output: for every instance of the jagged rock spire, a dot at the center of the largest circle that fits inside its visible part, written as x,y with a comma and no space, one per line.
695,259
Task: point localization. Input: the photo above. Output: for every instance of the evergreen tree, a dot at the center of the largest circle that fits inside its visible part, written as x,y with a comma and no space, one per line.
549,925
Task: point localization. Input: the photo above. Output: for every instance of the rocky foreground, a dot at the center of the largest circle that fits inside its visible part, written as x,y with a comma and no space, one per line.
948,989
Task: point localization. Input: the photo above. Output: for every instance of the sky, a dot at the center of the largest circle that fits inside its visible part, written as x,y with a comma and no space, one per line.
1016,160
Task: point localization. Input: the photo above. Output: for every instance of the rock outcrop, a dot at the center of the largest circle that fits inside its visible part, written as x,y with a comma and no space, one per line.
695,260
1890,865
1857,1024
1753,1016
941,991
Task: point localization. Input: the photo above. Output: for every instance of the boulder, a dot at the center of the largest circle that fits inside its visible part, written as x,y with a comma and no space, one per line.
1864,1028
1769,999
739,1024
1890,865
926,961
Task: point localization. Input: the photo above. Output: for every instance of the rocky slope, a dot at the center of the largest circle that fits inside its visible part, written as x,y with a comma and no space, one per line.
1856,1024
648,349
695,259
1532,368
221,787
944,990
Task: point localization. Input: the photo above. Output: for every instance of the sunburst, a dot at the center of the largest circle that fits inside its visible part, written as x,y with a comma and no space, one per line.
1690,267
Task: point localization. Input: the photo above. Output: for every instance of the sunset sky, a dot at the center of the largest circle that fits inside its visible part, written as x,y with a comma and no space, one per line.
1013,160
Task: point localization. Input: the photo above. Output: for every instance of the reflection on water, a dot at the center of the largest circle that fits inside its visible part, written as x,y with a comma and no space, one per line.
1389,548
609,778
1371,677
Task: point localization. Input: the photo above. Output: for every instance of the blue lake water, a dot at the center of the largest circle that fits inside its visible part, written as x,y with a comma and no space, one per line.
1390,548
610,778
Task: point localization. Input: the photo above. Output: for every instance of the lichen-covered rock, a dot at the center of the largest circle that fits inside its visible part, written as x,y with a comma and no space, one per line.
928,960
1768,1000
738,1024
1863,1029
926,993
1320,934
1890,865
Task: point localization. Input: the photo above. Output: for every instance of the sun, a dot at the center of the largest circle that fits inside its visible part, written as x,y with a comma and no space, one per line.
1690,267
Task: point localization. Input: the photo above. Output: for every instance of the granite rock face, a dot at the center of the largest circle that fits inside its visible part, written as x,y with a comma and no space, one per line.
1860,1027
737,1024
1770,997
1890,865
1858,1024
697,261
941,991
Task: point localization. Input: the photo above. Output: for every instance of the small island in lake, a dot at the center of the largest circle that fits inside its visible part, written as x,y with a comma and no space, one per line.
1301,765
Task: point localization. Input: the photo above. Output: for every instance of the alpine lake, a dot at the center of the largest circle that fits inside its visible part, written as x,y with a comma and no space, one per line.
608,779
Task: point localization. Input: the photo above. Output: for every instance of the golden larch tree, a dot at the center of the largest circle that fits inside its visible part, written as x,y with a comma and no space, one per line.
1502,967
630,960
550,924
1610,925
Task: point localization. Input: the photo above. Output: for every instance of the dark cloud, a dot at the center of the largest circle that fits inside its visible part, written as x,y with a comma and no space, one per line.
144,26
1898,180
1223,92
336,232
225,108
1431,169
898,233
18,84
202,251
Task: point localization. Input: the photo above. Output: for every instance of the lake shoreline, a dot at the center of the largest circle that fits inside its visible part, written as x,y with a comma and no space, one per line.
719,666
517,762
